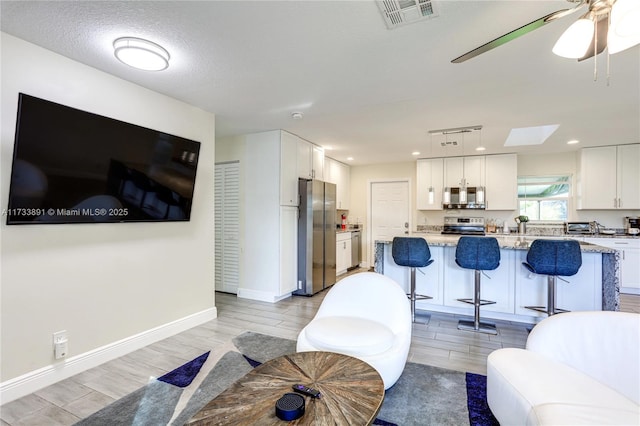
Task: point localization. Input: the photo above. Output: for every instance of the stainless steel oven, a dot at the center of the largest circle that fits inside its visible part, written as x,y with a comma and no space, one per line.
463,225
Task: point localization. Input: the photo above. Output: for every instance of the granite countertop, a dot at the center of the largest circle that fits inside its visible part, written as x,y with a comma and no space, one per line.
513,242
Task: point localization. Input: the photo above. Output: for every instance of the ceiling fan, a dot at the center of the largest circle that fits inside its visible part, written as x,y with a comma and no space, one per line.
612,23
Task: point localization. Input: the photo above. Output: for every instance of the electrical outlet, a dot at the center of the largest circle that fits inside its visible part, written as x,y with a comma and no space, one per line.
59,336
60,344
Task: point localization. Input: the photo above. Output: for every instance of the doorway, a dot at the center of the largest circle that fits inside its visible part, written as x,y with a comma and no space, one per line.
388,212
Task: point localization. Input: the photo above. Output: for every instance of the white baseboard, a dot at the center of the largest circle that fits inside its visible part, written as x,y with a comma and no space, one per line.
35,380
262,296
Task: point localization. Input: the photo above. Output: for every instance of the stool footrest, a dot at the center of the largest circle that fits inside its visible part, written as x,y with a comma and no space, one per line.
482,327
545,310
419,297
473,302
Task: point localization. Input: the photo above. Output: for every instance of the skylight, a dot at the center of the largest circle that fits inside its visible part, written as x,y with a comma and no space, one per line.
530,135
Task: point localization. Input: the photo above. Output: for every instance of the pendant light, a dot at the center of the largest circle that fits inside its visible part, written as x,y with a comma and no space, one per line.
446,195
463,190
480,195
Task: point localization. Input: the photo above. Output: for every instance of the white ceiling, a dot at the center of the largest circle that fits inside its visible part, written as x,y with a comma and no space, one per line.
365,91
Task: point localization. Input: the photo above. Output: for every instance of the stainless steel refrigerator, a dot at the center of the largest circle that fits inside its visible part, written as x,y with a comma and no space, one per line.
316,236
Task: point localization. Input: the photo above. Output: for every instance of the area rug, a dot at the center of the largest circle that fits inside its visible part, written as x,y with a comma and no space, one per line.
424,395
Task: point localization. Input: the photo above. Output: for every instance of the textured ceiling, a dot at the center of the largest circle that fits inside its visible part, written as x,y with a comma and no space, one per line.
365,91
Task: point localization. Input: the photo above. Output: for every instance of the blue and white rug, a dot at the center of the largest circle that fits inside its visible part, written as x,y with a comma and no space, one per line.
423,395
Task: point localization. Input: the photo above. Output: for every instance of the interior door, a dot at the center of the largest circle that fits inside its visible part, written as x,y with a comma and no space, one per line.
389,212
227,227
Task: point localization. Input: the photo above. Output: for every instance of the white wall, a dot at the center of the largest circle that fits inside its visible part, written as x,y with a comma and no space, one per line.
101,282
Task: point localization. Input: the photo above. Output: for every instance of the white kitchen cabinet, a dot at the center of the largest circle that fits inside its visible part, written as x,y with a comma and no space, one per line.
340,175
459,283
317,162
429,178
628,176
629,261
608,178
310,160
288,249
288,169
501,182
343,252
471,169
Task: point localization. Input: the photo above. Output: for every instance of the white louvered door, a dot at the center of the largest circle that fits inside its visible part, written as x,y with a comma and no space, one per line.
227,227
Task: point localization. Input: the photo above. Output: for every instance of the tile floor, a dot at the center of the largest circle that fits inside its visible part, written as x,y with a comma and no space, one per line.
438,343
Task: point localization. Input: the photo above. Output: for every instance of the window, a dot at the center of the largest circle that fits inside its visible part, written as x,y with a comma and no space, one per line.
544,197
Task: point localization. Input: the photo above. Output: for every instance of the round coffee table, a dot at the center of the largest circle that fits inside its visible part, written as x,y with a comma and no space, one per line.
351,392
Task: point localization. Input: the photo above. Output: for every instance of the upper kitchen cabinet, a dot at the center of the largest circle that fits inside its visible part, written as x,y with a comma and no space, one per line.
288,169
429,184
310,160
501,182
471,169
340,175
608,178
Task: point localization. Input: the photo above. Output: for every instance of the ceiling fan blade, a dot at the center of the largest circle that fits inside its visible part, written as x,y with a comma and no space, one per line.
516,33
602,28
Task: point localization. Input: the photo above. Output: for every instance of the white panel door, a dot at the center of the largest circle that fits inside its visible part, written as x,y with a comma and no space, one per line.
389,211
227,227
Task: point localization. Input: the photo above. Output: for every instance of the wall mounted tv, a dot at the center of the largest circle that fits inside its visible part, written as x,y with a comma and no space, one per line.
72,166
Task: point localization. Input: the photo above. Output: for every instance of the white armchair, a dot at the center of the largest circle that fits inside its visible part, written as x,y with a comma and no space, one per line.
578,368
367,316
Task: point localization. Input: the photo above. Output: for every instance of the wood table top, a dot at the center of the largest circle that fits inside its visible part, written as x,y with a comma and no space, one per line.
351,392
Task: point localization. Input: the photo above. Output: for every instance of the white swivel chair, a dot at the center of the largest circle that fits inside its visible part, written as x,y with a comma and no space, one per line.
366,316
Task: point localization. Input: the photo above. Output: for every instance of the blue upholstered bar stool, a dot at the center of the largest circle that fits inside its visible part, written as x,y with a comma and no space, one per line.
553,258
414,253
479,254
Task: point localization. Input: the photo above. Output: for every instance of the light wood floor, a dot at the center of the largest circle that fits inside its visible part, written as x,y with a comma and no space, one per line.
439,343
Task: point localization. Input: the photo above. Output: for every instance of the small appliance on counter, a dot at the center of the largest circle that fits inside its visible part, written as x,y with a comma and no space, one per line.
580,228
463,225
632,225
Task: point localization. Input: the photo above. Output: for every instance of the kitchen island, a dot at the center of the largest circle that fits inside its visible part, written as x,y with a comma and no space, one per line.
511,286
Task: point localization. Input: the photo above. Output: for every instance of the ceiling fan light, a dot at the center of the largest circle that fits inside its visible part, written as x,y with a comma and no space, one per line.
575,41
625,26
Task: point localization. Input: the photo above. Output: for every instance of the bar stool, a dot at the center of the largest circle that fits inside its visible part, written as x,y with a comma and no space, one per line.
553,258
412,252
479,254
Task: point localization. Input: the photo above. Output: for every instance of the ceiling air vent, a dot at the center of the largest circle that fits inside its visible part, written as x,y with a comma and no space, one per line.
402,12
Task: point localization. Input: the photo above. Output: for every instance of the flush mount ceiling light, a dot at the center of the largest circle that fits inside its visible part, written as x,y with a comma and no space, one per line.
140,53
296,115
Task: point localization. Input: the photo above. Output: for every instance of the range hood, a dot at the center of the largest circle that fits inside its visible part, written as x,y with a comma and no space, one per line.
471,197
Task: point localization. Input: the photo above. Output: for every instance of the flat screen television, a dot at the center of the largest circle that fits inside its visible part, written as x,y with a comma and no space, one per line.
73,166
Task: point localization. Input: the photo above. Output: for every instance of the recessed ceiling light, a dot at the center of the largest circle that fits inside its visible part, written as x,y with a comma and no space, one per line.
415,153
480,148
349,158
141,54
296,115
573,142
